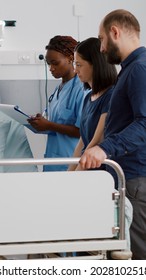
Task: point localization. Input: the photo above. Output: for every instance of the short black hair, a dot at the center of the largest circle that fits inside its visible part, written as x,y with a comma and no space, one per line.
63,44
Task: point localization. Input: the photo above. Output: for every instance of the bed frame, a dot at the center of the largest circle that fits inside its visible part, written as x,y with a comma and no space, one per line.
57,212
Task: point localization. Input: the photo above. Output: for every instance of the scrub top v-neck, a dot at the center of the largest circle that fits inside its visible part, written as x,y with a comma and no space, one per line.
64,108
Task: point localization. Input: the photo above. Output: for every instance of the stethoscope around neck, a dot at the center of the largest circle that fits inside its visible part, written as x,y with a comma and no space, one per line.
58,90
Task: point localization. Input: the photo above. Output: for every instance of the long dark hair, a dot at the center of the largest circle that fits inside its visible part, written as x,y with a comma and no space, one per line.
104,74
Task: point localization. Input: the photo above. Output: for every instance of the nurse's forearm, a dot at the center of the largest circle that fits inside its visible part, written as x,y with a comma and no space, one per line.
69,130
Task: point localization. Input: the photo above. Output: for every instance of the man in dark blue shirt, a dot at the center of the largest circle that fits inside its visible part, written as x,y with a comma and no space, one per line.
125,131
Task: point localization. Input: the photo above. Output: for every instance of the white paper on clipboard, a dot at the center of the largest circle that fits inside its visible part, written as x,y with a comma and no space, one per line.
19,116
11,112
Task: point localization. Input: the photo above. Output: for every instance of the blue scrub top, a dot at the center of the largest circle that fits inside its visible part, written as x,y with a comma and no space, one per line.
64,108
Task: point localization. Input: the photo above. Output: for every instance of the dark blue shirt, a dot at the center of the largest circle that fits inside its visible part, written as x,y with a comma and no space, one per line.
91,113
125,131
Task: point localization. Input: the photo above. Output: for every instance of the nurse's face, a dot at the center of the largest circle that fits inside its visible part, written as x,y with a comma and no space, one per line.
58,63
83,69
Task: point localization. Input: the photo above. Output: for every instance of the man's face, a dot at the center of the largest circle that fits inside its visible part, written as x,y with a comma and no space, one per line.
109,47
112,53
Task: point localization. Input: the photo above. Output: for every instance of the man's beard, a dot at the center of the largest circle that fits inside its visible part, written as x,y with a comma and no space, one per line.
113,55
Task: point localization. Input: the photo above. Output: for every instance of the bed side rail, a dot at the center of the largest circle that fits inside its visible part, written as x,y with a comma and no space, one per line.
61,161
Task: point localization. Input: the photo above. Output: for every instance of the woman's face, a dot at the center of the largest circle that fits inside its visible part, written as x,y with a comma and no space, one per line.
83,69
58,63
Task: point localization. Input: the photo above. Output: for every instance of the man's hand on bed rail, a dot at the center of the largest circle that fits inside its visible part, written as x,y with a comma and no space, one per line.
92,158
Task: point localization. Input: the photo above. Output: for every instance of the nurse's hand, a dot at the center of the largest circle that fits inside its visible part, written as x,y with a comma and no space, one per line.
39,122
92,158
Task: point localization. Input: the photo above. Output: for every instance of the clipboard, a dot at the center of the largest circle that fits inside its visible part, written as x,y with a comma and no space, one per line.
14,112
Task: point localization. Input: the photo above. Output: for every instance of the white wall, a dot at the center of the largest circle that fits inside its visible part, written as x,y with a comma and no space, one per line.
22,75
38,21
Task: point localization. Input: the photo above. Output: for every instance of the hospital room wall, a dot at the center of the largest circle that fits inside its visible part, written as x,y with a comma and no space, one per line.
22,75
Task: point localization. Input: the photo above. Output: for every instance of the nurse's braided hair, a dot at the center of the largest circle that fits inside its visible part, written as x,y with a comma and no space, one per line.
63,44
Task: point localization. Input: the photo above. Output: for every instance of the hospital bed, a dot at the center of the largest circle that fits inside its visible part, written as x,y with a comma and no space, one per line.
76,212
